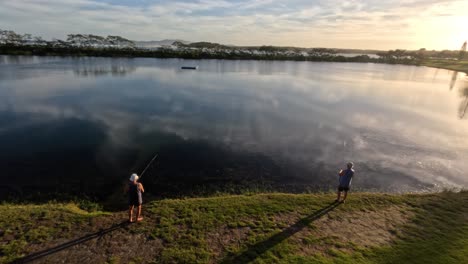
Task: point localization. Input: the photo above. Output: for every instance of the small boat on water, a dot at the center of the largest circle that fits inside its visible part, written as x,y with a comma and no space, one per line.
189,67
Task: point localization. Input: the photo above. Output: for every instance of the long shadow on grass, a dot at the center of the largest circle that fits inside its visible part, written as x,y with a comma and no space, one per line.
50,251
258,249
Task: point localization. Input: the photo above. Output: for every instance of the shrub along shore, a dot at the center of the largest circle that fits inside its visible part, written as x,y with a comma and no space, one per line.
270,53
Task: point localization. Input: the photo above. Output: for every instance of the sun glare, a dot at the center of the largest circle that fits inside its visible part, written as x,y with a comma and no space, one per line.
441,32
459,31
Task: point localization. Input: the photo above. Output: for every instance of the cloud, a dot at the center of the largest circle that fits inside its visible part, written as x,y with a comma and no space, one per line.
247,22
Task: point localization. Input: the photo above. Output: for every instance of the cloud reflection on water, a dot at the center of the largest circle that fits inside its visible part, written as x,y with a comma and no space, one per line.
398,123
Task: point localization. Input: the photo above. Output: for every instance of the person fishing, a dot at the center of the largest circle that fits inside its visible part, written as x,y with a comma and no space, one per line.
134,190
345,177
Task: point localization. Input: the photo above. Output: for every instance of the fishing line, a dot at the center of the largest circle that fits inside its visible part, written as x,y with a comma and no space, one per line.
147,166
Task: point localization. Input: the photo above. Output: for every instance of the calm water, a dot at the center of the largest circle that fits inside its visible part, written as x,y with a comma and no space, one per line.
84,124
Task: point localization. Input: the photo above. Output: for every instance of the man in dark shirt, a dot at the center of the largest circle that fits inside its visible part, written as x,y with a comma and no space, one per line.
345,179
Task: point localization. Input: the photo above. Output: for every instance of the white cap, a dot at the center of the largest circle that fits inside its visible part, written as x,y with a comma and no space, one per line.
134,177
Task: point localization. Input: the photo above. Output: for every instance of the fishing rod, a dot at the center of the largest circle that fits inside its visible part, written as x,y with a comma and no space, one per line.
147,166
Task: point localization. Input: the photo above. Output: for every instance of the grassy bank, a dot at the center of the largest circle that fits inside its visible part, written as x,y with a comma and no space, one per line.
260,228
454,65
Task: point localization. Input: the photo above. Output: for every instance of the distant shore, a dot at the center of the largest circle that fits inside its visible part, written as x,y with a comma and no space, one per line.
449,64
182,54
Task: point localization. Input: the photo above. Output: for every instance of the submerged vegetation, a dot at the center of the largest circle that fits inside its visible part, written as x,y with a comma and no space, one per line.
259,228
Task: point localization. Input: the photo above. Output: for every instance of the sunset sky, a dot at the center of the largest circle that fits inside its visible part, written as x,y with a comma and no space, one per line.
371,24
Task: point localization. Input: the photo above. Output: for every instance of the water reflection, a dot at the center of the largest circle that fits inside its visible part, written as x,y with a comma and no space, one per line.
464,103
18,59
242,123
113,67
43,154
463,92
25,67
453,80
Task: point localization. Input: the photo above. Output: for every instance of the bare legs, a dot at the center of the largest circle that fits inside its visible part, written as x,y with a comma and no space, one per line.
138,214
130,213
339,196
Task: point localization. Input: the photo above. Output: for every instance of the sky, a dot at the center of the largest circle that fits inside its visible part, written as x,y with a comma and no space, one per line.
358,24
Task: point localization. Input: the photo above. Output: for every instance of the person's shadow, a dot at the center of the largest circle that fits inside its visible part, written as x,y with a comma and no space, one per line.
71,243
253,251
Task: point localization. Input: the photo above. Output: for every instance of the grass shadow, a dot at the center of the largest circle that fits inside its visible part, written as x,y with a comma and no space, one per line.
258,249
50,251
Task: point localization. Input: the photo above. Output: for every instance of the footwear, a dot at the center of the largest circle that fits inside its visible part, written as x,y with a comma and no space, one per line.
343,201
337,201
139,219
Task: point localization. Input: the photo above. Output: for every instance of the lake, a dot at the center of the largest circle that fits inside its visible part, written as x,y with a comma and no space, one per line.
82,125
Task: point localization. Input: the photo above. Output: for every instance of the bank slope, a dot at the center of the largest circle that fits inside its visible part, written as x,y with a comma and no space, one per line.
260,228
454,65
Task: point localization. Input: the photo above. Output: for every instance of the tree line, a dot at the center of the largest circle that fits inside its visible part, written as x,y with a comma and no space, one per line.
13,43
11,38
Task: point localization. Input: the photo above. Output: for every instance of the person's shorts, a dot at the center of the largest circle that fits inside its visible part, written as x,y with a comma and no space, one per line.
341,189
135,201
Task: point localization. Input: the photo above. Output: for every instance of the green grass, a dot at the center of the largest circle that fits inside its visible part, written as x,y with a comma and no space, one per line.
438,234
23,226
267,228
185,227
455,65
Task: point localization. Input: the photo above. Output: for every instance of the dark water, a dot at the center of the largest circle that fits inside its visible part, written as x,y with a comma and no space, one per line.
82,125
